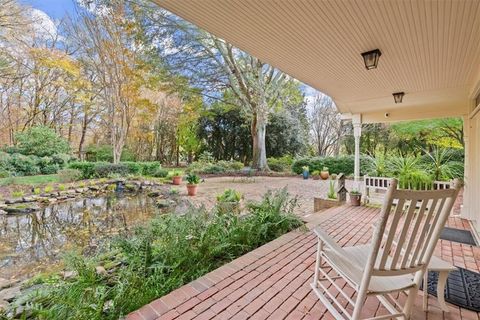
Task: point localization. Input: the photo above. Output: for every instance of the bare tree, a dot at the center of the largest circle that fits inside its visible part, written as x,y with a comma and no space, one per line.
326,126
108,49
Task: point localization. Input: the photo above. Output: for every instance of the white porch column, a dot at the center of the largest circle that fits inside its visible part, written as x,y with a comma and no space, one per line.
357,133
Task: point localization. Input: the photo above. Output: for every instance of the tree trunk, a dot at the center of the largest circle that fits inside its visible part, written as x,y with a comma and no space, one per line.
83,134
259,128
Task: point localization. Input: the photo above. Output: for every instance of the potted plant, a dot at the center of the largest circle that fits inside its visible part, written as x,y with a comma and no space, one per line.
229,202
316,175
355,198
331,190
324,174
192,184
306,172
176,177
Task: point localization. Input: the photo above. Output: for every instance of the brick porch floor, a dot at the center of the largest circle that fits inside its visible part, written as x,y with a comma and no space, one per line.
272,282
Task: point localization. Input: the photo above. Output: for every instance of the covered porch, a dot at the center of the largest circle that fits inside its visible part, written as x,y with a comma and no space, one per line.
273,281
428,50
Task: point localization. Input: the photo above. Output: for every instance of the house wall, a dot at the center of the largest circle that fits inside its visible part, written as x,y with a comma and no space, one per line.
471,208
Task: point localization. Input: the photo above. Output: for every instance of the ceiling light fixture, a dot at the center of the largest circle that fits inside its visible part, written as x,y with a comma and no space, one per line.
398,97
371,58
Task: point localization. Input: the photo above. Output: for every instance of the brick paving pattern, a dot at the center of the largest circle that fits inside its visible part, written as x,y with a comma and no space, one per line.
272,282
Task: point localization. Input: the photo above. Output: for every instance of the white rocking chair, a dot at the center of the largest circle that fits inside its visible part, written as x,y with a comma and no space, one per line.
404,239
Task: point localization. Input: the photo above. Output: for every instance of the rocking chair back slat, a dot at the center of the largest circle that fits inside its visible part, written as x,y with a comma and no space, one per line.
413,236
387,246
399,250
410,223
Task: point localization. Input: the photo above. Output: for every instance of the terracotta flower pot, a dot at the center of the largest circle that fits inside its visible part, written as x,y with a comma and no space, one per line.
355,199
324,175
316,177
177,180
192,189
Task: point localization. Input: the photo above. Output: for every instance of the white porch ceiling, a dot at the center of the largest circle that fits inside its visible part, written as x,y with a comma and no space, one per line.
430,49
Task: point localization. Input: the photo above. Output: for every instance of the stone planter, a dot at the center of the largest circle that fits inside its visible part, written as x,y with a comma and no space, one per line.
177,180
324,175
192,189
356,199
316,177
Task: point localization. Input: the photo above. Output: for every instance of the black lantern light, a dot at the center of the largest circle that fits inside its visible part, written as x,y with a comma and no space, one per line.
371,58
398,97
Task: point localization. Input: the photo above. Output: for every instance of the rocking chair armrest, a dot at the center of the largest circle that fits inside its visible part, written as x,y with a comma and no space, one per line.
329,241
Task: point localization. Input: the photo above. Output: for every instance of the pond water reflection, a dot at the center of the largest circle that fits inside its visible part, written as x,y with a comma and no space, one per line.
34,242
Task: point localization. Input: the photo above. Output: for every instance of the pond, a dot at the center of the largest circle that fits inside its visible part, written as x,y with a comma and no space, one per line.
35,242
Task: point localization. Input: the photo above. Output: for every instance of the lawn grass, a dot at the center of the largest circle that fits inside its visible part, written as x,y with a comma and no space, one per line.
30,180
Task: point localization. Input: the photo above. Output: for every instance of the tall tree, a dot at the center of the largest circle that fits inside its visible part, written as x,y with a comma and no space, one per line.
327,128
109,48
215,65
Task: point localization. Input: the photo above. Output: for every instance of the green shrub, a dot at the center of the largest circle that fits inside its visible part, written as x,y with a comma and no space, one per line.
24,165
160,173
229,195
442,164
409,172
134,168
157,258
213,168
50,169
149,168
41,141
282,164
86,168
230,165
335,165
4,173
105,170
61,159
69,175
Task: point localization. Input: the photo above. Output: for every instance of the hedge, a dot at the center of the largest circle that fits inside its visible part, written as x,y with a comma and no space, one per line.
215,167
16,164
282,164
106,169
342,164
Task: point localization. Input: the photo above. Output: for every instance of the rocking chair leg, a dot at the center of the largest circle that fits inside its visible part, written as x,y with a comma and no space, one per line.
407,309
318,262
357,309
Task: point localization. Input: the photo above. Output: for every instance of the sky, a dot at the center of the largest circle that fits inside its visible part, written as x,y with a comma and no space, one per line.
56,9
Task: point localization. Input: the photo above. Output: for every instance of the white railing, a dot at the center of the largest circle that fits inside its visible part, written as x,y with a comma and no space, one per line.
380,184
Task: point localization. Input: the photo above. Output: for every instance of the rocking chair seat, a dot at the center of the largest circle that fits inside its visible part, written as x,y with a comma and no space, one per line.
351,261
